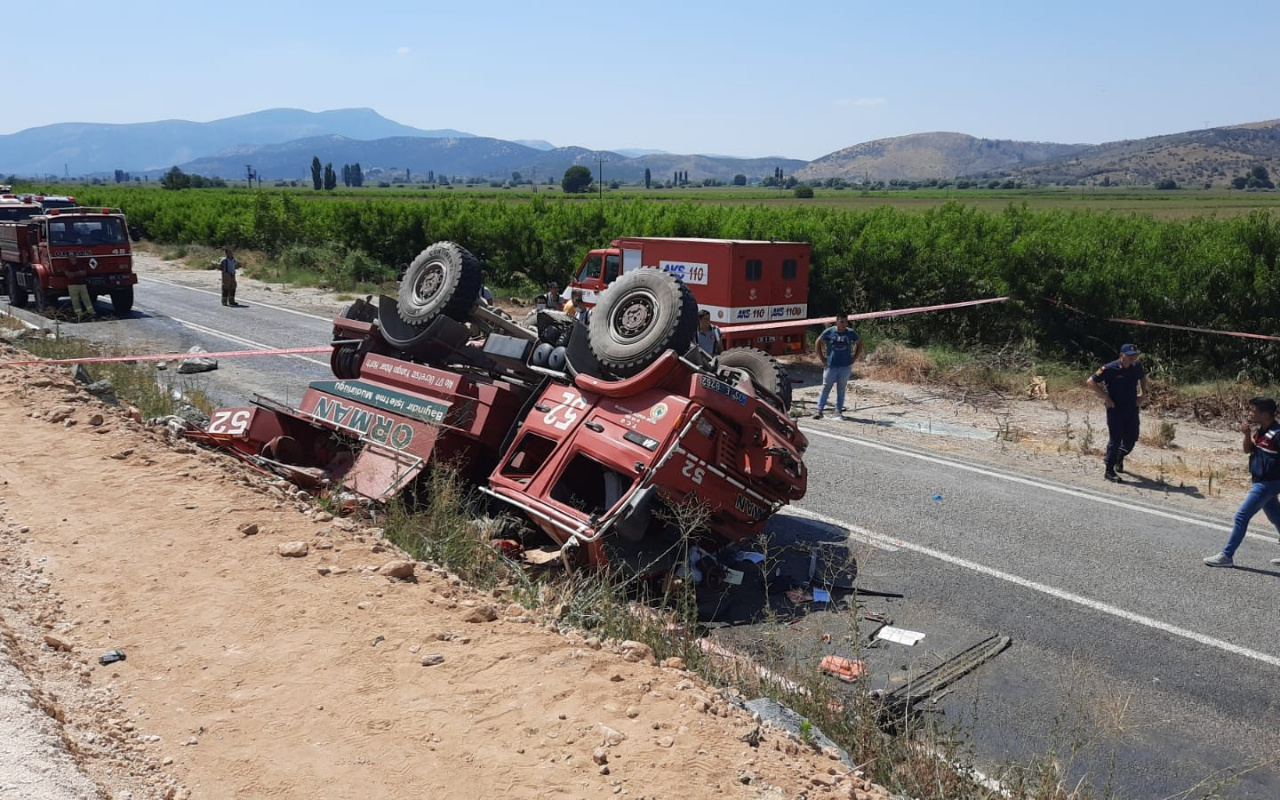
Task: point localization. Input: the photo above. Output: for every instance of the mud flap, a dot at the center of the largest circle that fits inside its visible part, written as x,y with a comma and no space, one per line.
380,474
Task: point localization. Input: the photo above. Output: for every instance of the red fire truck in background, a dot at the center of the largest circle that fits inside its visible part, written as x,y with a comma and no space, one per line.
740,282
35,252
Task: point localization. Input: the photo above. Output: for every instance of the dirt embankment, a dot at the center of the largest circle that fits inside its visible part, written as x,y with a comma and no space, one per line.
254,674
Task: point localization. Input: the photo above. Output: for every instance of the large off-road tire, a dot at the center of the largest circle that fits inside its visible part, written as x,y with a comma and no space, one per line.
18,296
444,279
639,317
122,300
764,369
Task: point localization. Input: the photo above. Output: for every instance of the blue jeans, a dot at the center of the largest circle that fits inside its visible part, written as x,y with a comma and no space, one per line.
837,376
1260,496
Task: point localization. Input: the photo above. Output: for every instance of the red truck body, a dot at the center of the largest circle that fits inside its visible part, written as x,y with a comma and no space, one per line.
600,465
740,282
35,253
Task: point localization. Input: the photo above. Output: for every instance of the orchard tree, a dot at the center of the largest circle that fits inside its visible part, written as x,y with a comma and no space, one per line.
1259,178
576,179
175,179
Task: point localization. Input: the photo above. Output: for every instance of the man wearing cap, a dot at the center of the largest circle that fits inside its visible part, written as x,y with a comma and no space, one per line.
1262,443
1117,384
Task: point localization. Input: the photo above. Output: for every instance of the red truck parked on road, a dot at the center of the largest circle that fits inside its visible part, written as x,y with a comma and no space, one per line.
740,282
35,253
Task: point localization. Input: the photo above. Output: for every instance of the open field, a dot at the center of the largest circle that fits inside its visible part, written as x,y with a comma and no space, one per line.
1180,204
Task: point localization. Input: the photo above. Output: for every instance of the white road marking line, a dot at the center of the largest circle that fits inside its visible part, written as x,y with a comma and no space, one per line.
241,340
218,294
1080,600
856,532
1118,503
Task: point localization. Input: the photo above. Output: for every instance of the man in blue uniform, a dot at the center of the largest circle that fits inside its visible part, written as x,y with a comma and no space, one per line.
1117,384
838,347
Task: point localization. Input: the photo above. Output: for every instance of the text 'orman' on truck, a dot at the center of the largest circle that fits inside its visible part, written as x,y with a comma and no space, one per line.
739,282
36,250
602,436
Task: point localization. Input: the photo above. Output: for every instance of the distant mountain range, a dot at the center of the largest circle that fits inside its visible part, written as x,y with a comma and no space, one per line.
87,148
280,144
1211,155
476,156
923,156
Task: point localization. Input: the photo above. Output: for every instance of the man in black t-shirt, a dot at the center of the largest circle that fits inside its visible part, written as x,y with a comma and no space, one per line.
1117,384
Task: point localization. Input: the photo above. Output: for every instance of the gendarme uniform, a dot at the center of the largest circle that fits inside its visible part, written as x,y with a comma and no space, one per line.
1122,421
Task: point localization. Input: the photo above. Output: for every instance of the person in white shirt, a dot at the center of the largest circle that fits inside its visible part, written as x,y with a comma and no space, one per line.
709,337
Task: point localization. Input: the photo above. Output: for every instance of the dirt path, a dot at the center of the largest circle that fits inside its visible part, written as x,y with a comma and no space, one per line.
251,674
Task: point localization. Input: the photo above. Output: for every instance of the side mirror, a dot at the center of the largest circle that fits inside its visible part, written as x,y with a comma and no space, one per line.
634,516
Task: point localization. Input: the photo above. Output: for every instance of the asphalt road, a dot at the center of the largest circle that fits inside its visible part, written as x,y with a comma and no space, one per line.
1132,663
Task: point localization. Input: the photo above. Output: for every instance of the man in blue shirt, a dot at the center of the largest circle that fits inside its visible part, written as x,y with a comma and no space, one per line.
1117,384
838,347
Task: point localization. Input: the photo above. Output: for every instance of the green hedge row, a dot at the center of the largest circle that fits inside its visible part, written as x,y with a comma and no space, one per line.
1212,272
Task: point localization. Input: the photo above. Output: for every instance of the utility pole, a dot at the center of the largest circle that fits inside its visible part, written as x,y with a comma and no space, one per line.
248,171
66,172
600,175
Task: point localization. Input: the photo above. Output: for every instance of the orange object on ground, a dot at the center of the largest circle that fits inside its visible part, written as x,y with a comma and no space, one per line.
846,669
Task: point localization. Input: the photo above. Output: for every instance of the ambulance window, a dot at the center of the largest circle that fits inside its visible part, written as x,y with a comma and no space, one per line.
612,268
591,269
528,457
789,269
755,269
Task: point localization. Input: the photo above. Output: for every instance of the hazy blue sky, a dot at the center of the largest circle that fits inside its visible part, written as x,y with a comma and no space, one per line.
799,78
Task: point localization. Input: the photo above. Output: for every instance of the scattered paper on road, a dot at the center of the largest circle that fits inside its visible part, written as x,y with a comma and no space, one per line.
899,635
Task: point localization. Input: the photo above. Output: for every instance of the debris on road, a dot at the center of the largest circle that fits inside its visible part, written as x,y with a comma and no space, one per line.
899,635
846,669
190,366
111,657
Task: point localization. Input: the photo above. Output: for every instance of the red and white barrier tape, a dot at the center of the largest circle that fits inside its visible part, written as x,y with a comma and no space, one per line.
1145,324
899,312
287,351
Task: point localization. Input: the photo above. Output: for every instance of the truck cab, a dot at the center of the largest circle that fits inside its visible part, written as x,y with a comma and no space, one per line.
14,210
37,250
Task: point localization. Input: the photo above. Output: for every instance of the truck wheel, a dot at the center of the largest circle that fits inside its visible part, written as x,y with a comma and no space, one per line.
764,369
638,318
45,299
17,294
444,279
122,300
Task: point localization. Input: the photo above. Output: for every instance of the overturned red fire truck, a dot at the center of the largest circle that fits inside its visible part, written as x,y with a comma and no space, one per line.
593,434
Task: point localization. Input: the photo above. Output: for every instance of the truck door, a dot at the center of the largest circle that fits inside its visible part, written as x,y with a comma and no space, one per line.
612,267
